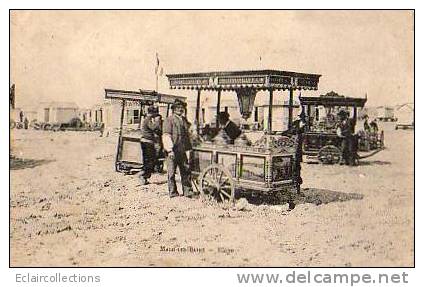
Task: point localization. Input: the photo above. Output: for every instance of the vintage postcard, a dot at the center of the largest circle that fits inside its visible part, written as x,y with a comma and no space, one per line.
280,138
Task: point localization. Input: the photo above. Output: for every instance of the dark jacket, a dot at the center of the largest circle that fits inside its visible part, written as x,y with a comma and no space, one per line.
151,130
374,126
347,127
367,127
232,130
297,129
178,128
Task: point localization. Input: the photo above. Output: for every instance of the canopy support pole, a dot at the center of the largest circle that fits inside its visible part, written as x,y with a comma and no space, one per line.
140,113
271,99
198,112
290,123
218,107
309,115
355,114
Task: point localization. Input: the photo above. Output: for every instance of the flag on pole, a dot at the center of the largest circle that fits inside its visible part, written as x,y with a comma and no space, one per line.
157,64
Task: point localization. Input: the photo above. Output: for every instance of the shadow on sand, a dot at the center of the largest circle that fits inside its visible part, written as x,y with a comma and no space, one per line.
361,163
374,162
21,163
308,195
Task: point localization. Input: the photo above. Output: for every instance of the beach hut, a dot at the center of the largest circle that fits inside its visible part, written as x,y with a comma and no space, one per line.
385,114
56,112
405,116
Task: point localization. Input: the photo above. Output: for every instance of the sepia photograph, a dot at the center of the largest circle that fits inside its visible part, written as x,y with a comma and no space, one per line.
212,138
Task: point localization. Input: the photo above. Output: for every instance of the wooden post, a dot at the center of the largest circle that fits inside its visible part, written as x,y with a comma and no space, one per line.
140,112
290,123
120,142
218,107
198,112
167,110
309,115
355,115
271,99
122,117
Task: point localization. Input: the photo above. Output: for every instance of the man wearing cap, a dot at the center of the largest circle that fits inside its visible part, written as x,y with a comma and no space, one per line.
176,142
151,131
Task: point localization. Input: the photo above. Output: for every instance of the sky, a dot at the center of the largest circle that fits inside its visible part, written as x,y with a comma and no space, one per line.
75,55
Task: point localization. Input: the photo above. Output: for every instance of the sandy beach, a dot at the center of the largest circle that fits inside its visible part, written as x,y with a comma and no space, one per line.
69,207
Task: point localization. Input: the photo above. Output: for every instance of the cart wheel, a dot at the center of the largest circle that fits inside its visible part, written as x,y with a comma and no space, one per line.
329,154
217,182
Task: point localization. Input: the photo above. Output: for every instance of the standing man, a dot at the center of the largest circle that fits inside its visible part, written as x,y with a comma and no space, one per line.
298,129
346,130
176,142
150,134
26,123
374,126
367,127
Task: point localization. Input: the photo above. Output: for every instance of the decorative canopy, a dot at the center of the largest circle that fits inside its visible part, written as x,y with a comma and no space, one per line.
259,80
333,99
142,96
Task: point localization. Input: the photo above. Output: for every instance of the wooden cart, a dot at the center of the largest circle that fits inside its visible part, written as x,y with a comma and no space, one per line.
321,141
268,165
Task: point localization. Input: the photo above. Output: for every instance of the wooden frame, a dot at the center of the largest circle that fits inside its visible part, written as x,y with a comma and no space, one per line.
144,97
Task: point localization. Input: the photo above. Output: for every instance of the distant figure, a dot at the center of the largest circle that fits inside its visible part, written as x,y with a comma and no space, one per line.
12,96
230,128
374,126
367,127
102,130
26,123
21,116
151,131
330,121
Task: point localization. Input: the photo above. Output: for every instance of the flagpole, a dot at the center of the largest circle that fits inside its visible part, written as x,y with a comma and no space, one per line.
157,86
157,72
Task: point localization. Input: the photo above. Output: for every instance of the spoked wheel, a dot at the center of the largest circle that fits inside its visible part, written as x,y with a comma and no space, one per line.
329,154
216,181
